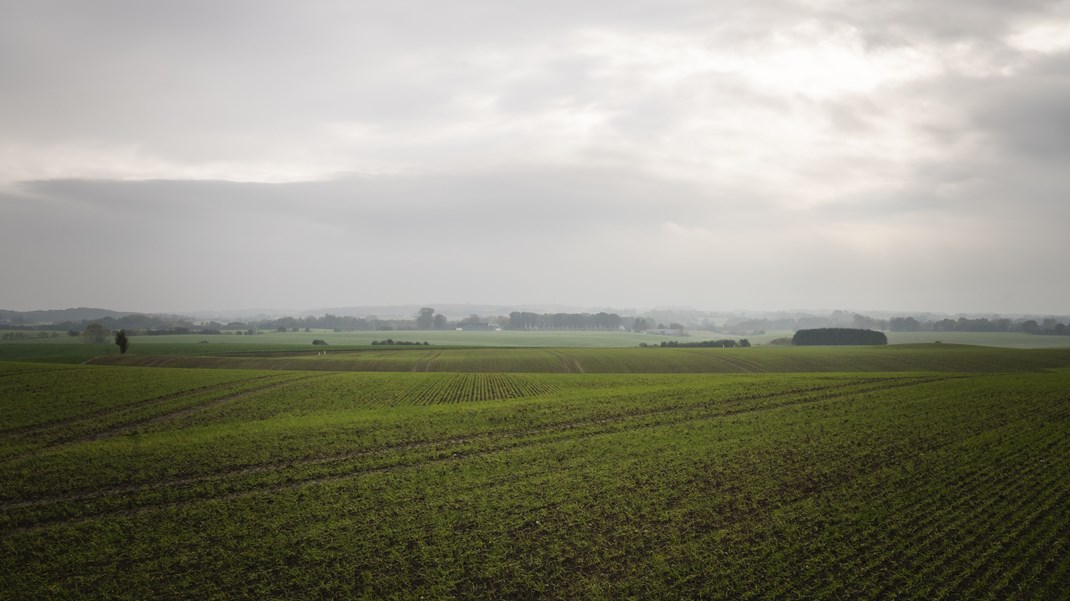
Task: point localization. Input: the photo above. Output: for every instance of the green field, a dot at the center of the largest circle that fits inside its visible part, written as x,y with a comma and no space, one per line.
936,357
1001,339
68,349
910,472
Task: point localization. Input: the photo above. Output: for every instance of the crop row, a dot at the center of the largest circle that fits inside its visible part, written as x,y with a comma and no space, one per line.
460,388
49,395
697,487
90,420
942,358
350,462
917,538
560,419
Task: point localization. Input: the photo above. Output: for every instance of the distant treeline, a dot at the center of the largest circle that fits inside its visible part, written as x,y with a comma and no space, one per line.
726,343
428,319
54,316
29,336
340,323
142,324
522,320
962,324
835,336
842,319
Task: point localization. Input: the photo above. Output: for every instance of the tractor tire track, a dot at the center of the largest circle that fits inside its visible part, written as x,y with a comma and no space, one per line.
549,434
109,411
500,434
184,411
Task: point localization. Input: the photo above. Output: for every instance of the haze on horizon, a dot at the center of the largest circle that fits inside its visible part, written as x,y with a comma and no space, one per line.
770,155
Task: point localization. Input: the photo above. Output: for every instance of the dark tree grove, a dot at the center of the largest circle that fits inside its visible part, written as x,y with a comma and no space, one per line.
834,336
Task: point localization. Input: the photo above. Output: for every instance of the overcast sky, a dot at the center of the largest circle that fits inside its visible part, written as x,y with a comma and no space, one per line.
773,154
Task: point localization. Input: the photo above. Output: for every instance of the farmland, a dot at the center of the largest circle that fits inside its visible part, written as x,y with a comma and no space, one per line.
622,360
917,472
66,349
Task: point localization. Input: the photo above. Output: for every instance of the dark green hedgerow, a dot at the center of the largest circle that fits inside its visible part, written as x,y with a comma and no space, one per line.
838,336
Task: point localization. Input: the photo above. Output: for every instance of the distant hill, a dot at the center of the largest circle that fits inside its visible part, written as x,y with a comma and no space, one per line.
50,316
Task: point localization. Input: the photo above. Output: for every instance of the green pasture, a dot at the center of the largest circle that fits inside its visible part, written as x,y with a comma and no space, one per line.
135,482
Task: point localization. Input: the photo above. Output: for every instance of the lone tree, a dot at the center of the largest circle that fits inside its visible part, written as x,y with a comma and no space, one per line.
122,341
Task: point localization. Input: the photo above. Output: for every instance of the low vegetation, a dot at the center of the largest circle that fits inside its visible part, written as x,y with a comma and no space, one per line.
723,343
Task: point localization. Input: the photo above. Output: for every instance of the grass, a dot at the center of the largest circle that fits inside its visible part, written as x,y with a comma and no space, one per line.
918,472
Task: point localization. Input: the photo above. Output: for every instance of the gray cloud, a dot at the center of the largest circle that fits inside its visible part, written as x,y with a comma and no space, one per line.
629,153
508,203
1030,113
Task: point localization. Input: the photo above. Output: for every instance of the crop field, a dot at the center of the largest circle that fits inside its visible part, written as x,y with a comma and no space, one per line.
933,357
1000,339
919,473
65,349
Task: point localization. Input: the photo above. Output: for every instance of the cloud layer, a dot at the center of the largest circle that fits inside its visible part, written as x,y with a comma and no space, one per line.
777,154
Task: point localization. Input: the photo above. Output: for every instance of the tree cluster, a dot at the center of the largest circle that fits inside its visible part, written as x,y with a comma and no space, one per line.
95,334
345,323
28,336
338,323
524,320
838,336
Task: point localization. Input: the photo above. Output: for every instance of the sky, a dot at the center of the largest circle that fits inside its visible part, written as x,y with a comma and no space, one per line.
773,154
